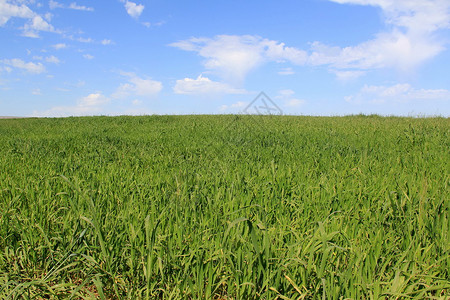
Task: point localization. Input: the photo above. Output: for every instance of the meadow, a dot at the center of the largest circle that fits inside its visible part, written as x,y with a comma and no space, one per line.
225,207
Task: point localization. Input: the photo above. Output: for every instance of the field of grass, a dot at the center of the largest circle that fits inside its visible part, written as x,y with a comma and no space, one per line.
225,207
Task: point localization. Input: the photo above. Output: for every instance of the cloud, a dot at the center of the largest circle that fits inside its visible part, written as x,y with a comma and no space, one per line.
88,56
75,6
30,67
287,98
90,105
347,75
92,100
52,59
232,57
157,24
8,11
412,37
85,40
106,42
53,5
400,93
294,102
133,9
203,85
412,40
34,24
137,86
239,104
418,16
286,71
6,69
234,106
388,50
59,46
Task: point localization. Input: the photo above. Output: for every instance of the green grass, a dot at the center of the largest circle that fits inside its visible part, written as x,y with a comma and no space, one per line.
225,207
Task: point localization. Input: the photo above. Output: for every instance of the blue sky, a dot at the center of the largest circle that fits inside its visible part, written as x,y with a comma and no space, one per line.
311,57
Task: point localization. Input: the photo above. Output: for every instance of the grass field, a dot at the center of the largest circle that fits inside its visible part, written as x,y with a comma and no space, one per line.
225,207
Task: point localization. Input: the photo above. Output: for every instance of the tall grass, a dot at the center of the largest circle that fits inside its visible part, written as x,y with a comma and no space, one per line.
225,207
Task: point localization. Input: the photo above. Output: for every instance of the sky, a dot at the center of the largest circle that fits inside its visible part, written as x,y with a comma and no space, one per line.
143,57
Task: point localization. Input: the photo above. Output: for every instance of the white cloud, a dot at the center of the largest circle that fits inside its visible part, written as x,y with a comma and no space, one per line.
286,71
35,22
79,83
388,50
75,6
133,9
286,93
6,69
85,40
157,24
52,59
288,99
90,105
239,104
233,57
30,67
234,106
414,15
347,75
137,86
294,102
8,11
413,37
88,56
59,46
412,40
106,42
92,100
401,93
48,17
53,5
203,85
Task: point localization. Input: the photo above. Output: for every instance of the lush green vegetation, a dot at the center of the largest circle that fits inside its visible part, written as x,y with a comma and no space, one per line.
225,207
